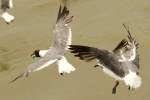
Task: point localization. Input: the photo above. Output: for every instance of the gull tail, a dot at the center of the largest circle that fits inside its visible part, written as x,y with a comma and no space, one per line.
64,66
133,80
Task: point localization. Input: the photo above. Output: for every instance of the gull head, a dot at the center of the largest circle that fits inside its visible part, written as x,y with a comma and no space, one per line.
38,53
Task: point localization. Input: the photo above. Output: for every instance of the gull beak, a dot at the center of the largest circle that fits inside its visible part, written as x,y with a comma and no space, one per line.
33,56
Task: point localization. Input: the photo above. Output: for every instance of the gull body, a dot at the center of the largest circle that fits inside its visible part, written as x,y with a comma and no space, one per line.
55,54
122,63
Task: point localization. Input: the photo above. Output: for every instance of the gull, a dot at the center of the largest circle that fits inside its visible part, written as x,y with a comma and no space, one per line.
61,40
6,5
122,63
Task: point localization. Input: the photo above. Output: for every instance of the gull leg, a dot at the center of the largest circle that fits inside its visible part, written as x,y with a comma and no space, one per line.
115,87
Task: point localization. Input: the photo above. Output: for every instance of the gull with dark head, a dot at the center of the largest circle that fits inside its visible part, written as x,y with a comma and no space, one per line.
5,6
122,63
62,36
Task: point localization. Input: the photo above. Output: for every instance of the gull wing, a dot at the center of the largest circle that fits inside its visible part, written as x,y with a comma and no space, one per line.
127,49
62,34
120,47
50,58
106,58
6,4
131,50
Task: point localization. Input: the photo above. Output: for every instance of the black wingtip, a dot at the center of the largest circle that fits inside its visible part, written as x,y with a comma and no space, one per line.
128,31
62,12
123,43
59,13
19,76
83,52
130,37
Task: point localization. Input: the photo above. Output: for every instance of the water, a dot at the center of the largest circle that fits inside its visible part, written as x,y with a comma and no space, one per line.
96,23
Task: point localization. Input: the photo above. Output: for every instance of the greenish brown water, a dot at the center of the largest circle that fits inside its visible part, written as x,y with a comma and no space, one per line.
96,23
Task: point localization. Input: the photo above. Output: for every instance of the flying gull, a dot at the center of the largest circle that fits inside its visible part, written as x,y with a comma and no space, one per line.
122,63
5,6
62,36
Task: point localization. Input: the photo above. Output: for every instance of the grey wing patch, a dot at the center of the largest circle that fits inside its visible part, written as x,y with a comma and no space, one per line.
40,64
62,34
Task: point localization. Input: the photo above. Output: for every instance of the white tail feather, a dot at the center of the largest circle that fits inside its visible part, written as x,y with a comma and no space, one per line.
132,80
64,66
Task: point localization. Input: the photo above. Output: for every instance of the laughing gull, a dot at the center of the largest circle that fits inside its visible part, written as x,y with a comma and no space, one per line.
5,5
122,63
61,40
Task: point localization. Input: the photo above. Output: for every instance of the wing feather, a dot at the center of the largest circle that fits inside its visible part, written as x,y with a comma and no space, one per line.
62,34
105,57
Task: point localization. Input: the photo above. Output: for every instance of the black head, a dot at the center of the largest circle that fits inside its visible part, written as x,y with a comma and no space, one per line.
35,54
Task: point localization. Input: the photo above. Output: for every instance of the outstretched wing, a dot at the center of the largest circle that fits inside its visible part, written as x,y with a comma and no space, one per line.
131,38
132,48
84,52
127,49
62,34
50,58
105,58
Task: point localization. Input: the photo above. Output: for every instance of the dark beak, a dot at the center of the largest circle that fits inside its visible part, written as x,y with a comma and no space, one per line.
33,56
